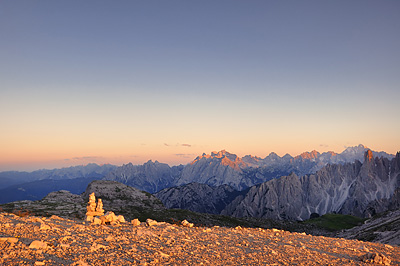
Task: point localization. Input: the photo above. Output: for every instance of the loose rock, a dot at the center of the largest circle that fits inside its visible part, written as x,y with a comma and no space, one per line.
37,244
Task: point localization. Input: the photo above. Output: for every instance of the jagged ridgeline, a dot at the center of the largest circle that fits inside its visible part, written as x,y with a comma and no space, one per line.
224,168
216,180
219,168
360,188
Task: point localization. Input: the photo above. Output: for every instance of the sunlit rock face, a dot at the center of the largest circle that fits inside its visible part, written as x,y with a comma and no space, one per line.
215,169
225,168
198,197
357,189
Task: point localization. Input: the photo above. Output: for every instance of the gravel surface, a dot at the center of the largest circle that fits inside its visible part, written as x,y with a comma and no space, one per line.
34,240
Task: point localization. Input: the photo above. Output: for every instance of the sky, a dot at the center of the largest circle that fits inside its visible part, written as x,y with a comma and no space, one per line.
129,81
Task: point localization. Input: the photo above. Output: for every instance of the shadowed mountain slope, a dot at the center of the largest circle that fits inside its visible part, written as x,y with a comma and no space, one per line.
347,189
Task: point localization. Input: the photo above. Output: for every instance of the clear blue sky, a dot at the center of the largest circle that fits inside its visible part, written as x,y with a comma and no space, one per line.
124,81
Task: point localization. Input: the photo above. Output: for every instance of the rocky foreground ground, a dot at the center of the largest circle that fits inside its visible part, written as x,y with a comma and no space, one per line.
34,240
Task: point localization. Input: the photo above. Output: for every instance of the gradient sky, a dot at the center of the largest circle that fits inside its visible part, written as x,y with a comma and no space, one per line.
128,81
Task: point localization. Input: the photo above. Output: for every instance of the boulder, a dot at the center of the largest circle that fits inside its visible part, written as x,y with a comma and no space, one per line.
37,244
135,222
375,258
151,222
185,223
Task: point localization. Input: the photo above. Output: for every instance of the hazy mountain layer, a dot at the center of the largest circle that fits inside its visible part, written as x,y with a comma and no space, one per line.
150,177
36,190
92,170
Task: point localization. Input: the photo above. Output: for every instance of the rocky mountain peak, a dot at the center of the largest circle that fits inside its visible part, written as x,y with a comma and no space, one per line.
359,189
273,155
223,153
309,155
332,153
218,154
368,156
251,160
355,149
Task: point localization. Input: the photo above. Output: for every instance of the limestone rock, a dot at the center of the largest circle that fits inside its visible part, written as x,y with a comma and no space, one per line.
135,222
151,222
185,223
94,209
226,168
344,189
109,218
198,197
120,219
75,243
375,258
383,228
122,199
12,240
44,226
96,221
37,244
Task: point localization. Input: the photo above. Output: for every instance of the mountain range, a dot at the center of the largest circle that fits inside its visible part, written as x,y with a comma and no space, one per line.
216,169
359,189
221,183
9,178
224,168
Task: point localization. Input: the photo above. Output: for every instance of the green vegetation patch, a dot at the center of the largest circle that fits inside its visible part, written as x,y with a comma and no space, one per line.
335,222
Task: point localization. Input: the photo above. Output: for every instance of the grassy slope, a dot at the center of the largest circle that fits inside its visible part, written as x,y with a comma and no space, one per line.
335,222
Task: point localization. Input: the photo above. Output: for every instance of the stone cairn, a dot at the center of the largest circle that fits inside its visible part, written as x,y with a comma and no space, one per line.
95,213
94,209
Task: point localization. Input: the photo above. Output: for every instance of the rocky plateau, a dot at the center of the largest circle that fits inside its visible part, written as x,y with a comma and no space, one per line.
34,240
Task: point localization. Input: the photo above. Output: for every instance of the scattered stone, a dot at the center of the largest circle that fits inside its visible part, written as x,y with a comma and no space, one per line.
12,240
135,222
96,221
74,243
39,263
120,219
80,263
109,218
37,244
163,254
44,226
185,223
151,222
97,246
375,258
64,245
